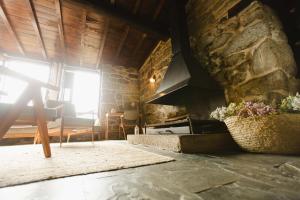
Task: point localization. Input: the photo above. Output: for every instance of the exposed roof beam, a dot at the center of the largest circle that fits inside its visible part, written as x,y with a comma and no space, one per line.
144,36
140,43
135,10
158,9
102,43
60,27
136,6
25,58
146,26
82,36
10,28
113,2
36,27
122,42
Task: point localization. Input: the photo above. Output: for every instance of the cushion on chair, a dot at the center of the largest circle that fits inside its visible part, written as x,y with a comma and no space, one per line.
72,122
21,132
78,122
69,108
28,112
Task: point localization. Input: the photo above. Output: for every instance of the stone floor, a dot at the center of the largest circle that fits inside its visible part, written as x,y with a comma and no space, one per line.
230,176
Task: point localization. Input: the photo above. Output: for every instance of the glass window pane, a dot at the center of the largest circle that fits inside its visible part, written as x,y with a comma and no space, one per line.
13,87
85,94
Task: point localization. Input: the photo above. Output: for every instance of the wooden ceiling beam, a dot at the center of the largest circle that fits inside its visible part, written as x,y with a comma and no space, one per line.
122,42
144,36
146,26
158,10
140,43
10,27
136,6
102,44
60,27
135,10
82,36
36,27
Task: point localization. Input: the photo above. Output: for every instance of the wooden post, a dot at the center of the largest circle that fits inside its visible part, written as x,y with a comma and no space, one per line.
41,121
106,130
62,124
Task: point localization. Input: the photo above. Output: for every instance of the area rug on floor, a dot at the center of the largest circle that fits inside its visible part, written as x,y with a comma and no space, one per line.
26,163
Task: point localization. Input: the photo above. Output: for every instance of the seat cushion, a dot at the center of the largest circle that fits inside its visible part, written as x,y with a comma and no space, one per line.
78,122
28,112
72,122
21,132
69,108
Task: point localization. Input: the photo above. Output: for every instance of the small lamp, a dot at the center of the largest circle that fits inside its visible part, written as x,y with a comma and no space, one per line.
152,79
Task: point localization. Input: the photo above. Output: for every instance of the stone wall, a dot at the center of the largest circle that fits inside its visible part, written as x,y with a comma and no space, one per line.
248,53
120,89
156,64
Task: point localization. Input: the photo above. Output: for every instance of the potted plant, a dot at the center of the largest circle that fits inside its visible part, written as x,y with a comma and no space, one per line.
257,127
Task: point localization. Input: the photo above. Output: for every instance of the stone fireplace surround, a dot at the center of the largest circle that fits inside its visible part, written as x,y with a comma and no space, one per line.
248,54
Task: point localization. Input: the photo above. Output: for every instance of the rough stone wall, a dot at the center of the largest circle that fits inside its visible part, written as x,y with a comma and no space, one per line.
156,64
248,53
120,88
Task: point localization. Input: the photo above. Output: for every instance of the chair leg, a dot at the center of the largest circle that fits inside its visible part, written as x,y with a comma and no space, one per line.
92,135
61,131
42,124
69,136
60,137
124,133
35,139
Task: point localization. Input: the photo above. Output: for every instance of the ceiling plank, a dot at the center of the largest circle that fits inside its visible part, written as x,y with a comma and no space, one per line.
146,26
60,27
82,37
140,43
144,36
158,10
102,43
136,6
36,27
122,42
10,28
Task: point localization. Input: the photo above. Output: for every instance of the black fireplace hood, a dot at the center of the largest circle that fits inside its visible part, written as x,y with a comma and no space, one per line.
184,77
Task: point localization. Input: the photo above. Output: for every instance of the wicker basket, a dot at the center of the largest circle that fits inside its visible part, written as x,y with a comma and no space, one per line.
278,134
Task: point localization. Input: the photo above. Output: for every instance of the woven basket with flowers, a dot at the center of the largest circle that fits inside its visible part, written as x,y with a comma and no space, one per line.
257,127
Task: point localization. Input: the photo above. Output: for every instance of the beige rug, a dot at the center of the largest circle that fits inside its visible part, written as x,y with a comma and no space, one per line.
26,163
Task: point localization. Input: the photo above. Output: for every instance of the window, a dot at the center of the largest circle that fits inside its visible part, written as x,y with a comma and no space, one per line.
13,88
84,92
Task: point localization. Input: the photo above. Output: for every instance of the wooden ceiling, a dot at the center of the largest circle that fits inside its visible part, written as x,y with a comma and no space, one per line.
85,33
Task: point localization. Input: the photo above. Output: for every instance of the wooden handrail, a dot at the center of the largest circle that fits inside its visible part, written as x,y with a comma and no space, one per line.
8,72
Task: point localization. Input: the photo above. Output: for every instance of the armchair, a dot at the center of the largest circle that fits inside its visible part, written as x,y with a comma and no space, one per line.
130,118
20,113
69,123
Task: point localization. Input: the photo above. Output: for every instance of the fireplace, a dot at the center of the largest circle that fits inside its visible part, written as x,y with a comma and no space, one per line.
186,82
233,53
